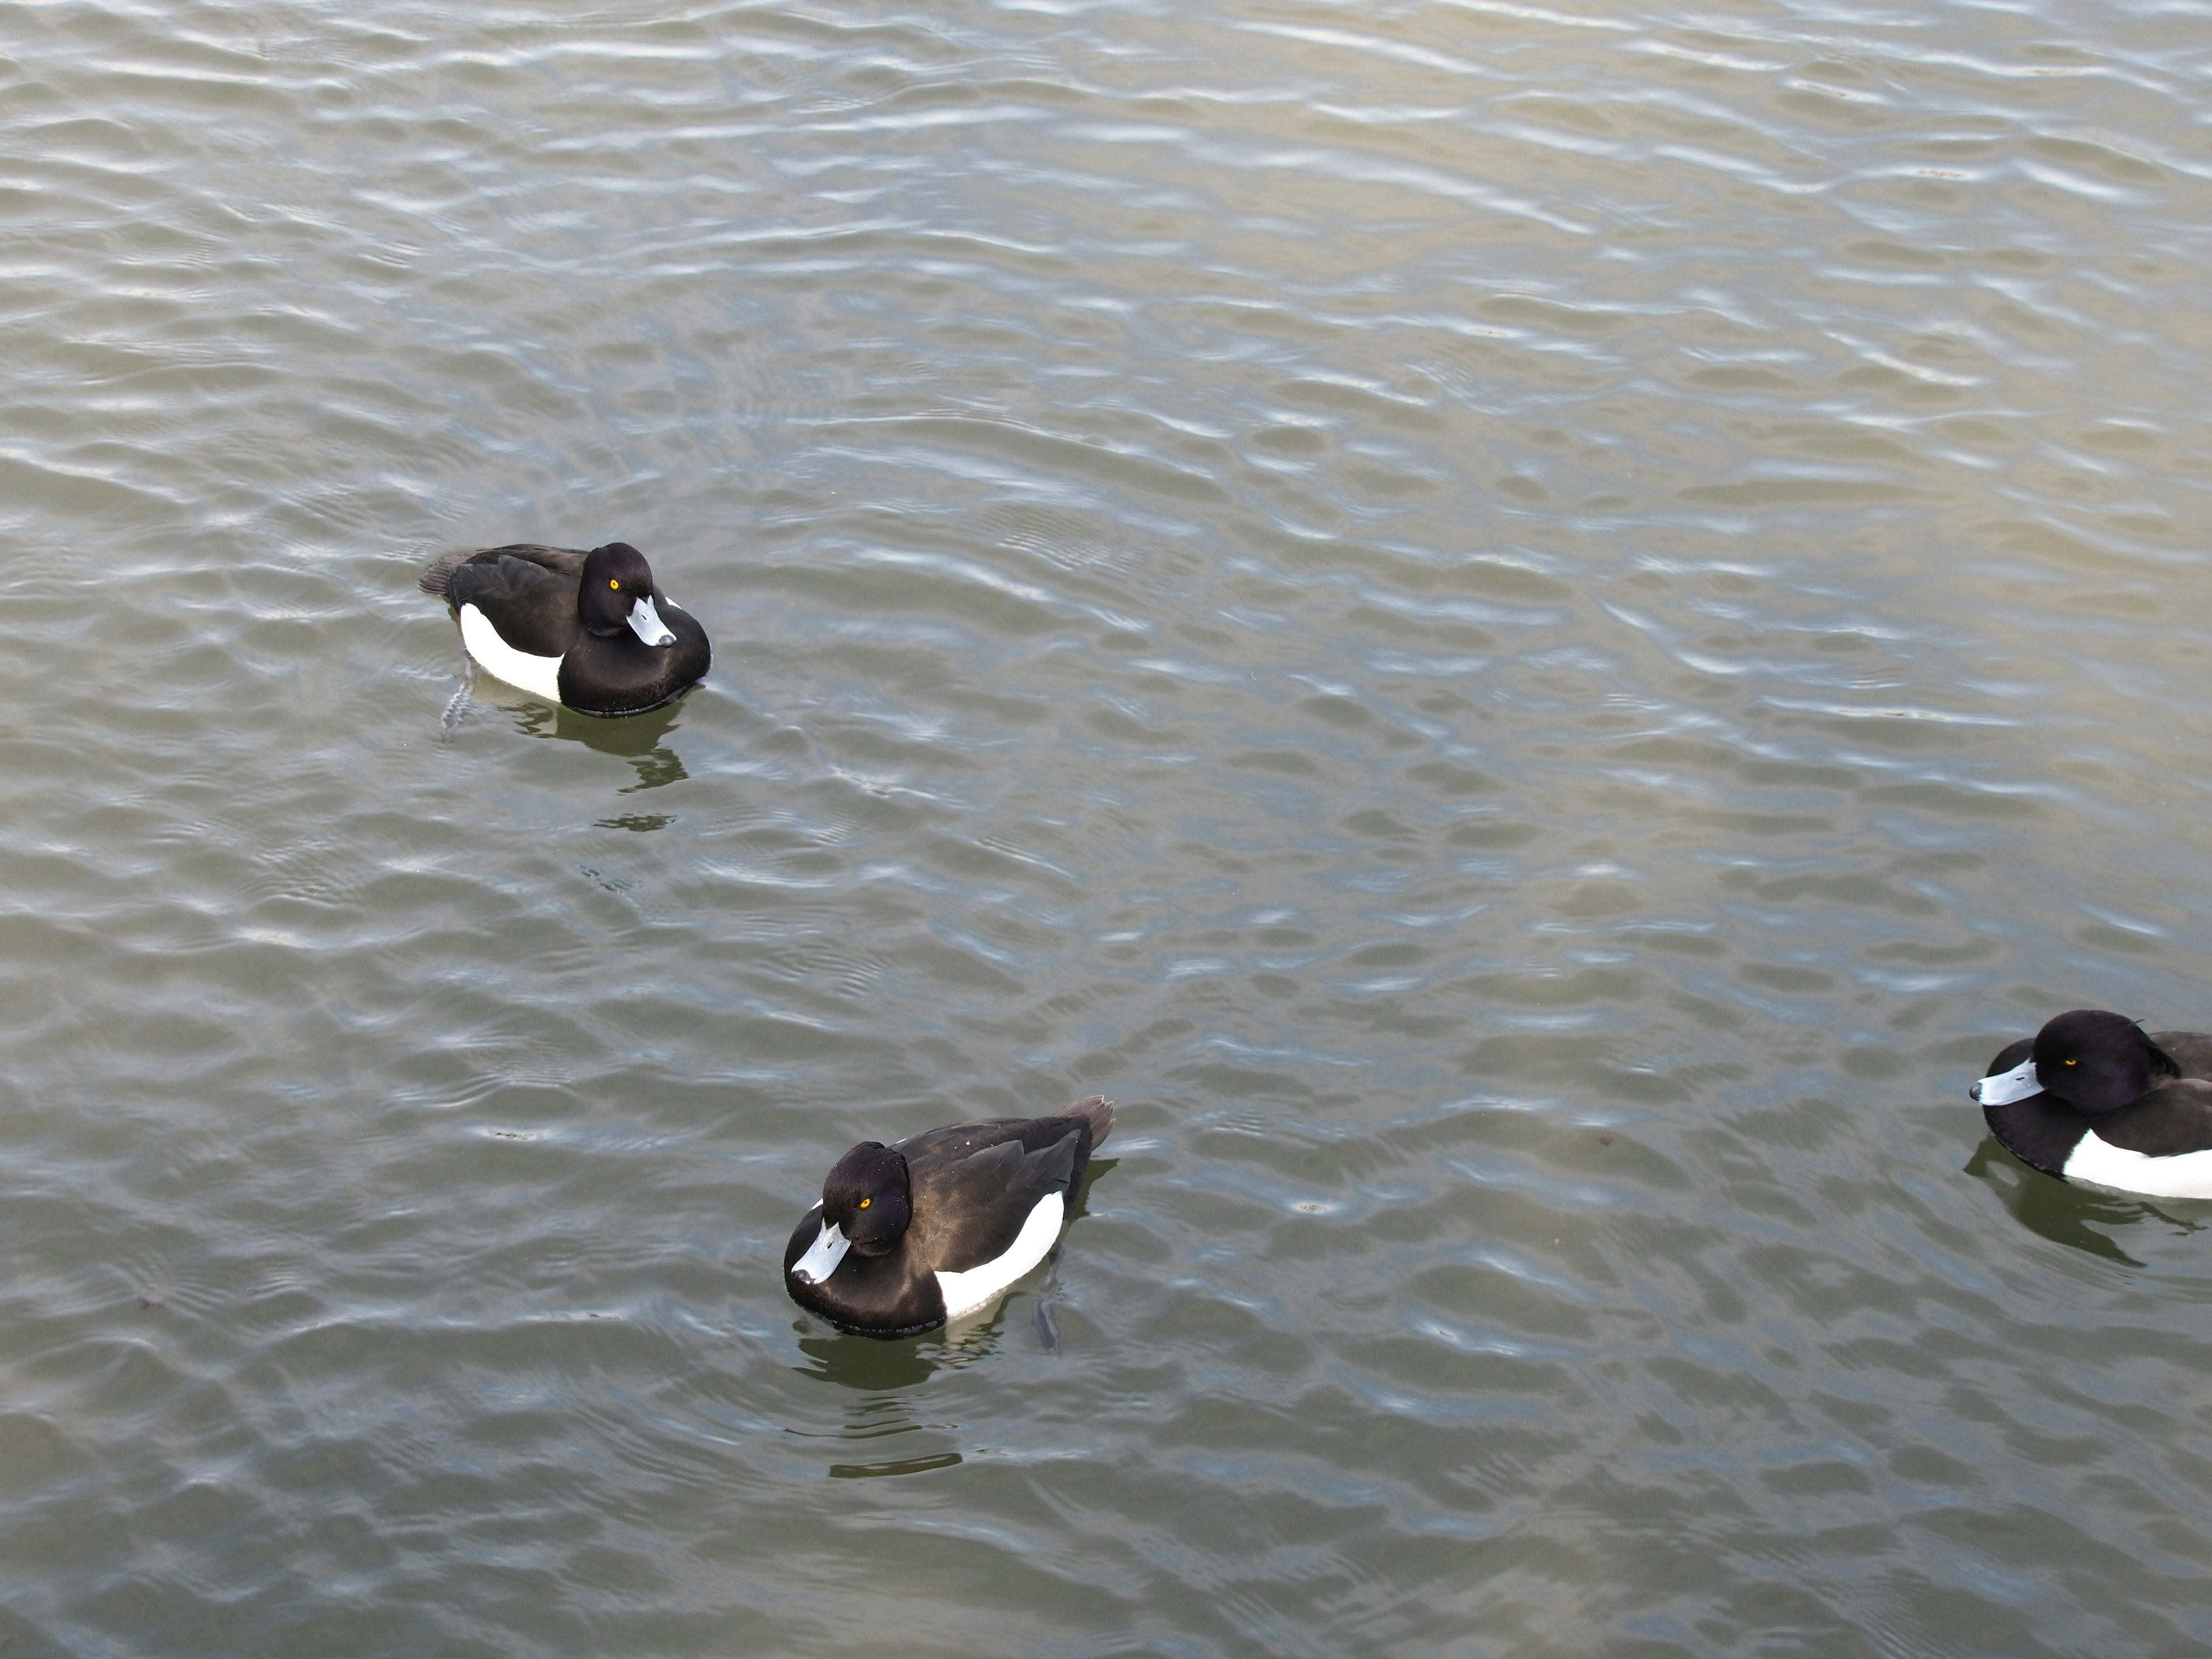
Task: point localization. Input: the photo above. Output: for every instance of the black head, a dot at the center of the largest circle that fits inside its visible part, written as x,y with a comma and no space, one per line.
615,577
867,1197
2096,1061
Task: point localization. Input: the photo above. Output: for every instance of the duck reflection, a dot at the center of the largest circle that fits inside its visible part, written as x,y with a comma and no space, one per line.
872,1365
636,739
887,1378
2062,1211
881,1416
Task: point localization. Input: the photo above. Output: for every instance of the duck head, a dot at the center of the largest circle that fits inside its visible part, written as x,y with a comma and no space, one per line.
867,1203
2095,1061
617,593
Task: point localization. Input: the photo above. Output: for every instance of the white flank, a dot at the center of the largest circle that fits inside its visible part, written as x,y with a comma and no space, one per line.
821,1260
972,1289
539,676
2185,1175
2006,1087
645,623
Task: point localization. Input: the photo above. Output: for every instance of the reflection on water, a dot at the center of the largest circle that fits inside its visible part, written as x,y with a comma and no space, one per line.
891,1391
637,738
2065,1212
634,737
23,1640
872,1365
895,1466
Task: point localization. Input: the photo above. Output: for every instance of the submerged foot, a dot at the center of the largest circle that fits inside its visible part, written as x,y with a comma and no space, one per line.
1043,1317
457,710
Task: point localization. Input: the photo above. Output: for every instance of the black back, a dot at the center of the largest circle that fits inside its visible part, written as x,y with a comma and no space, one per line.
528,593
2172,1119
534,597
972,1197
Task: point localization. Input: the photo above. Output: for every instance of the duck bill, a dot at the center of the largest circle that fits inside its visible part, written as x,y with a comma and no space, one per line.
822,1258
645,623
2006,1087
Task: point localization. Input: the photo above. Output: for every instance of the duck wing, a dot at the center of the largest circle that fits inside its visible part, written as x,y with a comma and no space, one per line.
969,1208
960,1140
966,1139
529,602
2172,1121
567,561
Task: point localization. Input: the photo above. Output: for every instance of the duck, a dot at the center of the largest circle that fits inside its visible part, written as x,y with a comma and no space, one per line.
2093,1097
587,629
910,1235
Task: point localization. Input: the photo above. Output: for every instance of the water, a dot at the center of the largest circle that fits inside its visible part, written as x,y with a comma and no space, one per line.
1528,630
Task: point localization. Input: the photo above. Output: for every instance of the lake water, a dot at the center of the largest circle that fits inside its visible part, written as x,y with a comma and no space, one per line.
1528,629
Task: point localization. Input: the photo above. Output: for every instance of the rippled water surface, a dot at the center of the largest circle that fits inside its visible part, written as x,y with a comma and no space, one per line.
1529,630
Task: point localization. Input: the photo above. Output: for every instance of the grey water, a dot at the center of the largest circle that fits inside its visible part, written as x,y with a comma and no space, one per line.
1529,629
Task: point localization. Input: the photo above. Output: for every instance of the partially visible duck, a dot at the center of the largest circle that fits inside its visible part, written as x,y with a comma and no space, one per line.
587,629
2093,1097
910,1235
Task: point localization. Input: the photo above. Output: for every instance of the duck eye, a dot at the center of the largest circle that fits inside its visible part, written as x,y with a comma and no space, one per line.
866,1202
615,583
2073,1062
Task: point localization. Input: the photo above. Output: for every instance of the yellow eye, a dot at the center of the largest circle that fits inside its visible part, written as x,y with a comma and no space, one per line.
614,584
867,1201
2073,1062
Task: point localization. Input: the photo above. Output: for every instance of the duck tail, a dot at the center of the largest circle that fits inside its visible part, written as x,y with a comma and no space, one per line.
434,580
1098,1112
